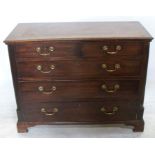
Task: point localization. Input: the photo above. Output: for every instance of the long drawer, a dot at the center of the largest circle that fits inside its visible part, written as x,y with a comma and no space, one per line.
79,69
78,90
79,49
78,112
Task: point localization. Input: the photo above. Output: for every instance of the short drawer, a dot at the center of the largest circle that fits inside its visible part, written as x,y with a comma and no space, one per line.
79,69
79,49
48,50
78,90
112,49
78,112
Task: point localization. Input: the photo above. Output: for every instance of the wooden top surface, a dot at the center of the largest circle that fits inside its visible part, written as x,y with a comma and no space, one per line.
24,32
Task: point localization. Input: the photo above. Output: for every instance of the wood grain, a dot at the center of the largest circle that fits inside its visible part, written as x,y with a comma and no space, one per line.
78,74
79,49
77,31
79,112
78,69
78,90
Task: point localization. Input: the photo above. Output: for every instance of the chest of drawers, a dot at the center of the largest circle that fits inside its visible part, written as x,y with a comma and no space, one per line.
79,73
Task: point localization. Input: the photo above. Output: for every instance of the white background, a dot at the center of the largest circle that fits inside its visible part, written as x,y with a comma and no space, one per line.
17,11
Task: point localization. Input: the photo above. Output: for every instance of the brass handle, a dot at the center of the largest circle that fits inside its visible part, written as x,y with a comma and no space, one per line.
45,51
114,110
53,111
116,67
105,48
39,67
115,88
41,89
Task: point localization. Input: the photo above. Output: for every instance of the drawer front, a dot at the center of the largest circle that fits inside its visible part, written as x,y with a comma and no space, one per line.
78,69
78,90
78,49
48,50
78,112
112,49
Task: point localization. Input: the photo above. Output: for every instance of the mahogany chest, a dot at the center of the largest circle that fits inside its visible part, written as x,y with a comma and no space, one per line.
79,73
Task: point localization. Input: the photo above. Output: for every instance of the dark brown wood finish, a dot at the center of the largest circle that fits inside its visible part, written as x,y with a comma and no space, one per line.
79,112
79,73
27,32
78,49
78,90
78,69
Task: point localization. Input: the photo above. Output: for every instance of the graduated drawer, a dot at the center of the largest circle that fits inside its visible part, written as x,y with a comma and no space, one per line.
78,49
78,90
78,112
78,69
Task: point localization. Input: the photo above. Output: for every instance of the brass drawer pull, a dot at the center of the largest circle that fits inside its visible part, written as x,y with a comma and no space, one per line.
53,111
45,51
114,110
116,87
41,89
105,48
116,67
39,68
